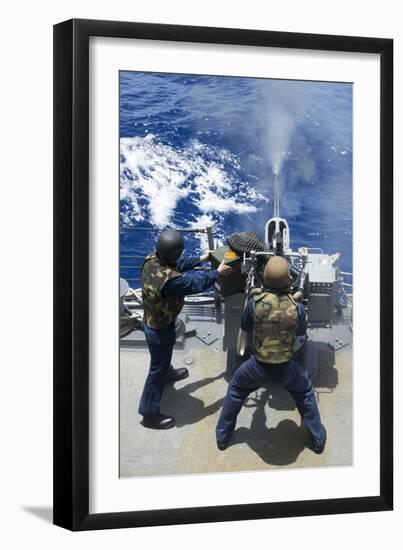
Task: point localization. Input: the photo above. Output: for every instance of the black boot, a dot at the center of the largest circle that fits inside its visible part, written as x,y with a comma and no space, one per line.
158,422
319,450
222,445
178,374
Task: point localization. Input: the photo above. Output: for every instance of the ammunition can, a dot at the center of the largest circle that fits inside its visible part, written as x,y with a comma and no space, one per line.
234,283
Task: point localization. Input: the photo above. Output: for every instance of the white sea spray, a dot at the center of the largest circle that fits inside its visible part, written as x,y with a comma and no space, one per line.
156,177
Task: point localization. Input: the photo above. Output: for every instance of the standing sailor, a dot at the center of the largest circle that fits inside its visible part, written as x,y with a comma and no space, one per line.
274,319
166,278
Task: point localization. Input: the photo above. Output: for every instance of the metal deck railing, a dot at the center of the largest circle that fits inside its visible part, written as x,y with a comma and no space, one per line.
346,287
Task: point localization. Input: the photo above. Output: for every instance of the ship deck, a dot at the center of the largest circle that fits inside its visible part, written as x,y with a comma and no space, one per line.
269,433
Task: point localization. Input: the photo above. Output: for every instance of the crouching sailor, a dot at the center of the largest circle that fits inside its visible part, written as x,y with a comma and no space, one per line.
274,319
166,278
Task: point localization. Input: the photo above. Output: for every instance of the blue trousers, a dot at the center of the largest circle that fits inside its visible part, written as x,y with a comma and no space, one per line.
160,343
253,374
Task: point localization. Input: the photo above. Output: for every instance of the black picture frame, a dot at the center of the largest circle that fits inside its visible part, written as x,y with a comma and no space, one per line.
71,274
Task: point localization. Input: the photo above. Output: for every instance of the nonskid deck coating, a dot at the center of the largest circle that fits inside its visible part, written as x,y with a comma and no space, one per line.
268,435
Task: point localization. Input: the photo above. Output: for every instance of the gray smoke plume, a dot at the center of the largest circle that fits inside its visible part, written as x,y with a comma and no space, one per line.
281,126
284,107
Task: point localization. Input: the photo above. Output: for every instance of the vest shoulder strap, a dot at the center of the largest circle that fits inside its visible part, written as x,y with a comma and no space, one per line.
261,296
266,296
292,300
147,259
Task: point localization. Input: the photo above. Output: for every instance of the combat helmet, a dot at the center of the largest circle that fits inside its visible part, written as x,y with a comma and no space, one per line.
170,245
277,274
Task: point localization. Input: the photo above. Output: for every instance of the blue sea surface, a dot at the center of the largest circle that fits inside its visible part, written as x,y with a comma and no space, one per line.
201,150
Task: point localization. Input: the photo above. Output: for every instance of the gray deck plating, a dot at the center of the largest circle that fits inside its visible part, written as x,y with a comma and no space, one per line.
269,433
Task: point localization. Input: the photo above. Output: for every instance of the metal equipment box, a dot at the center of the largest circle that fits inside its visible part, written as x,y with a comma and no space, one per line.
319,309
322,289
234,283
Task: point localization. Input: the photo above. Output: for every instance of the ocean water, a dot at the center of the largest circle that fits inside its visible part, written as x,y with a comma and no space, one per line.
201,150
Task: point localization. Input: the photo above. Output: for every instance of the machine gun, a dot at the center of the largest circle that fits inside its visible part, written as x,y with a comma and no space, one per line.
315,275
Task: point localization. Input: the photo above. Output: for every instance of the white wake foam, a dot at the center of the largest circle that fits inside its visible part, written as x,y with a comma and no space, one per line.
156,179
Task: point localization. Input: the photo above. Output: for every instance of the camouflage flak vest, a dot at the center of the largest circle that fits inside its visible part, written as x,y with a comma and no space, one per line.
159,310
274,327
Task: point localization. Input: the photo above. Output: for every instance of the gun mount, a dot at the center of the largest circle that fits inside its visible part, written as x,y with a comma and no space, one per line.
315,275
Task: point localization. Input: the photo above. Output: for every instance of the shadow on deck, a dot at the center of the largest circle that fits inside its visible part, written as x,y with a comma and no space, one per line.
185,407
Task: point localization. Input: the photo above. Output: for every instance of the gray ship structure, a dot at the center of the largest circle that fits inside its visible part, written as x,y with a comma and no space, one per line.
210,343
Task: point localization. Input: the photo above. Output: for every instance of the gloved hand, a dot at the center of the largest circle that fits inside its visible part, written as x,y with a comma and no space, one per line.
297,297
224,269
255,291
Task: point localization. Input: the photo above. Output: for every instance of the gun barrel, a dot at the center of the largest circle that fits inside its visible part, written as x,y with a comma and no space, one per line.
276,197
